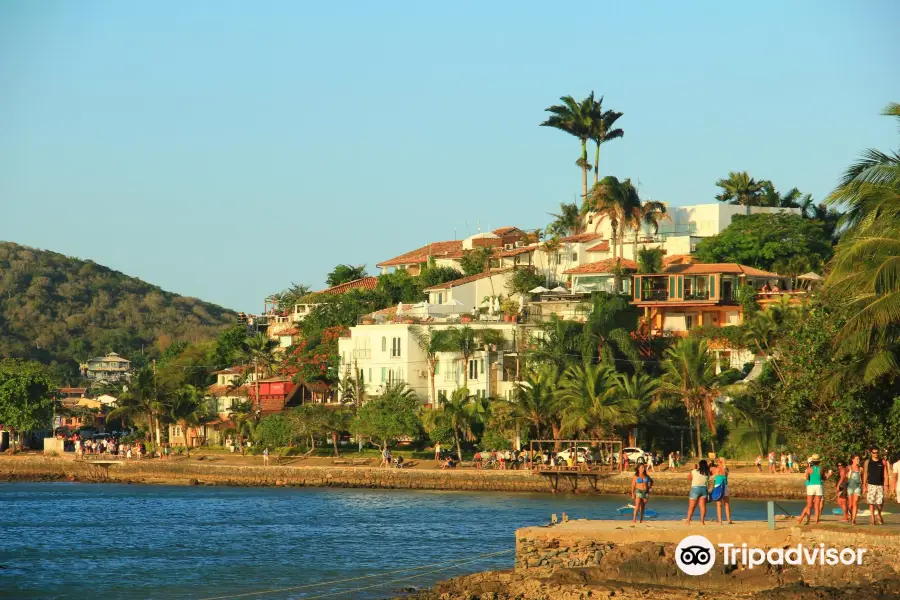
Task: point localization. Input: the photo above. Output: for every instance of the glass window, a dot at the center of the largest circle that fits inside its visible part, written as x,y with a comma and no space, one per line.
384,344
437,367
383,374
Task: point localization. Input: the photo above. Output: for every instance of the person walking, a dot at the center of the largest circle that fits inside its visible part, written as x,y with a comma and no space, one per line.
875,479
720,494
854,487
640,491
437,452
815,492
386,457
783,463
266,456
671,461
699,478
841,490
759,463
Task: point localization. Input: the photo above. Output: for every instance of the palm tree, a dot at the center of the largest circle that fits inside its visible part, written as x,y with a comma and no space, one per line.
591,402
460,412
259,351
650,260
615,200
865,272
574,118
637,392
244,418
537,401
567,222
141,403
605,334
602,131
772,197
432,342
650,213
559,341
740,188
689,373
467,341
188,409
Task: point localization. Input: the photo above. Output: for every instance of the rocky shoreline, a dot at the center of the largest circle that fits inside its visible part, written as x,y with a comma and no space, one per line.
208,472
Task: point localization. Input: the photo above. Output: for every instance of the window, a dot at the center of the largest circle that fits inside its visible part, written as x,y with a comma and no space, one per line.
688,322
473,369
437,367
370,374
442,397
440,298
574,257
395,347
383,374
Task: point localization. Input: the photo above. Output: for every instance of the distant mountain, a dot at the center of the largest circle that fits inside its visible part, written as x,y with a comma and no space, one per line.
54,308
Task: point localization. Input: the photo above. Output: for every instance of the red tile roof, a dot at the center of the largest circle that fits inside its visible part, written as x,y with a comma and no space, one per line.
226,390
602,266
365,283
501,231
601,247
235,370
465,280
676,259
710,268
289,331
72,390
581,238
420,255
516,251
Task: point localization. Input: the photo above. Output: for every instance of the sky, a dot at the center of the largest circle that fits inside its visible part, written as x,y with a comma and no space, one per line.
224,150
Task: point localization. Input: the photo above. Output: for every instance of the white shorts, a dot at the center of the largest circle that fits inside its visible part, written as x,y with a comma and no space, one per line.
814,490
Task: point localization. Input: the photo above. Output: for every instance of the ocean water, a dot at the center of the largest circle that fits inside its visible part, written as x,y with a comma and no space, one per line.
110,542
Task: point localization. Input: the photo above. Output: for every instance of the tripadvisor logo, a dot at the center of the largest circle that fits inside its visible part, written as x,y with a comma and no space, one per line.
696,555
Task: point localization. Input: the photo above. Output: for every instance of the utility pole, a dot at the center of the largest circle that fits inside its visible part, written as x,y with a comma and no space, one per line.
156,401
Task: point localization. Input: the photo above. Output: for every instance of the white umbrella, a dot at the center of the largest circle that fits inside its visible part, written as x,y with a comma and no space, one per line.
399,309
538,290
810,276
560,290
496,305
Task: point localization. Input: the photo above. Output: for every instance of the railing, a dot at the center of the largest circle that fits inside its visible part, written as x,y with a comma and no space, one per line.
698,295
654,295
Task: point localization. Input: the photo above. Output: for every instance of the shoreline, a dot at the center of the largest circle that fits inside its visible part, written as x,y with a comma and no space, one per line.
207,472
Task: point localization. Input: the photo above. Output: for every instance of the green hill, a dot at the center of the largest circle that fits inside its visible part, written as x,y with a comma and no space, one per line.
62,310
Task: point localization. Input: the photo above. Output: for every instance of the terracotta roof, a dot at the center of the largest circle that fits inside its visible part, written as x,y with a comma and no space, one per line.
601,247
226,390
677,259
388,312
465,280
581,238
289,331
516,251
602,266
420,255
366,283
72,390
710,268
501,231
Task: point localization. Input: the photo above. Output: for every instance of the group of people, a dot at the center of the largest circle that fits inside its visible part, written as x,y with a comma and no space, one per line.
113,448
787,462
700,494
874,479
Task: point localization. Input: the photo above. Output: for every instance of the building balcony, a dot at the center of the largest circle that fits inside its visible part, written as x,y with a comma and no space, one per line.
651,295
696,295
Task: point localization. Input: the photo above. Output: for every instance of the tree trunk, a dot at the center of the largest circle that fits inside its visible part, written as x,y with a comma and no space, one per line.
699,440
334,442
187,443
12,440
584,170
597,164
433,393
458,445
466,371
617,278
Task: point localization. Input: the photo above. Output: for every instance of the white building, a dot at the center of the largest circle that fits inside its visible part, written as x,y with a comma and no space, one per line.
386,353
468,294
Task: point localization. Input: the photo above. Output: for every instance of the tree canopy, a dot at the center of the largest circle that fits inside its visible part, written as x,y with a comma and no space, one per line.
344,273
761,240
27,395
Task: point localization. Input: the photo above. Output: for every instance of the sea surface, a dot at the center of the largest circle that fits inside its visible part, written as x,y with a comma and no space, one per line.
110,542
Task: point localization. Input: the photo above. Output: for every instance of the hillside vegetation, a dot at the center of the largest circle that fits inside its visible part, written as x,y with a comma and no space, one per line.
58,309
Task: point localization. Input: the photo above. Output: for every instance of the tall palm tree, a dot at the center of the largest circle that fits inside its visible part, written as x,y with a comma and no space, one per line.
650,260
141,403
740,188
689,373
188,408
591,404
574,118
537,401
459,413
243,418
617,201
559,341
259,351
865,271
567,221
602,130
432,342
605,335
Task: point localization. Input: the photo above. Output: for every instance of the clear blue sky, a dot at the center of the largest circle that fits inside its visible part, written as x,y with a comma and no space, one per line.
225,149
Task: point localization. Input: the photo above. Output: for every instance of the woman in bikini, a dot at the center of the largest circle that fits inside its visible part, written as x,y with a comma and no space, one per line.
854,487
640,489
722,495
